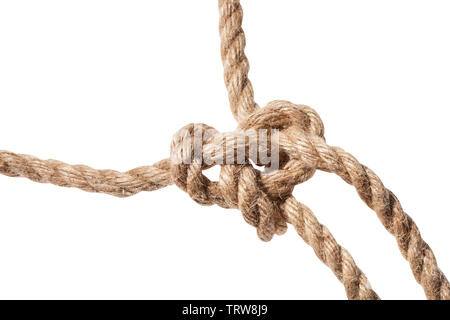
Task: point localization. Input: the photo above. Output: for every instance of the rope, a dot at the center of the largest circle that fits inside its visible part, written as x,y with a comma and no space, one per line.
119,184
235,63
264,198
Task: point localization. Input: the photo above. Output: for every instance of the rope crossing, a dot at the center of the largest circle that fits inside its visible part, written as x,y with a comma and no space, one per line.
264,198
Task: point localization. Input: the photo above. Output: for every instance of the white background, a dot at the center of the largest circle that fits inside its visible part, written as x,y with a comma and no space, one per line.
107,83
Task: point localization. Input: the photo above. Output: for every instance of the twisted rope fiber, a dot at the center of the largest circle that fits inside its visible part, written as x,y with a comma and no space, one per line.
265,199
235,62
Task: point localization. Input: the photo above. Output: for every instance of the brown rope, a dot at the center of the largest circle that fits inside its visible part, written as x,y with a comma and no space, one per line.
265,199
119,184
235,63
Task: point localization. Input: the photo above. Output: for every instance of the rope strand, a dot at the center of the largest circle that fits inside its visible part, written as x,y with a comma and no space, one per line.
235,62
338,259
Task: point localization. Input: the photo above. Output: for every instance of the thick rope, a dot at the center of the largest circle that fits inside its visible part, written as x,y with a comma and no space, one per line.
119,184
265,199
235,63
338,259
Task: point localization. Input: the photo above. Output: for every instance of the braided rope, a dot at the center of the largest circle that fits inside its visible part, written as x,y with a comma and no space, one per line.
235,63
265,199
119,184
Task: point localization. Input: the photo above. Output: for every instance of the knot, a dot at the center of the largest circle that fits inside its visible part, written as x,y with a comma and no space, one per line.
264,139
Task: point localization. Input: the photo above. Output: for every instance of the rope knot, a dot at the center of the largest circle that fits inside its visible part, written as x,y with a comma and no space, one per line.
262,138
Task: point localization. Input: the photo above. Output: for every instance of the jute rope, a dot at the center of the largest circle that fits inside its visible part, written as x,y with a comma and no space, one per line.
265,199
